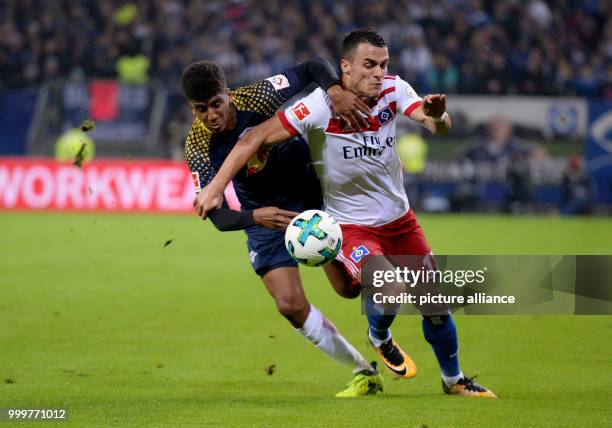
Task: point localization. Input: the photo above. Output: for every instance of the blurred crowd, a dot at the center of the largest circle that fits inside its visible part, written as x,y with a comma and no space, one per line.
453,46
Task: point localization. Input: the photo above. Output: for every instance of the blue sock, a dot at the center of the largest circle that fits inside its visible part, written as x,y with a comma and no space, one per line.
379,324
441,334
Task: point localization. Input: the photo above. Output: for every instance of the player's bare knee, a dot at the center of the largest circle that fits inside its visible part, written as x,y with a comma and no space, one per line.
290,305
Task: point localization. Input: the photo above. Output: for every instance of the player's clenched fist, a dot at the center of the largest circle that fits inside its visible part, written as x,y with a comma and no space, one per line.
434,105
207,200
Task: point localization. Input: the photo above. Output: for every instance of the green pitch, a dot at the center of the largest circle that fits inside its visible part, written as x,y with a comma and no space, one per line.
106,316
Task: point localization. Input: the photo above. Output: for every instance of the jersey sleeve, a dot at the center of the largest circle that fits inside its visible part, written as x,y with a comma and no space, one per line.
267,96
310,112
197,155
262,97
407,98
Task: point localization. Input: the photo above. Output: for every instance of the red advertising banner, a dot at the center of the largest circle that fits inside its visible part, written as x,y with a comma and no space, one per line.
102,185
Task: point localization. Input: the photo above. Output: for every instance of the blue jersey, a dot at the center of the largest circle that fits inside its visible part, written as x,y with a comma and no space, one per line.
280,175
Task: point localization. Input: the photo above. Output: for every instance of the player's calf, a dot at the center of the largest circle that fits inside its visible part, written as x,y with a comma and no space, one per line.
285,286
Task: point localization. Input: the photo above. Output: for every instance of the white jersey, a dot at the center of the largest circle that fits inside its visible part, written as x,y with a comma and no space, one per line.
360,170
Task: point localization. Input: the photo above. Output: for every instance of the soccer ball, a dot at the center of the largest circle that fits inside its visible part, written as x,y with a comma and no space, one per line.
313,238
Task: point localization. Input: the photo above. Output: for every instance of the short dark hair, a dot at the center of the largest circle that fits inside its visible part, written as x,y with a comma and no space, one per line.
362,35
202,80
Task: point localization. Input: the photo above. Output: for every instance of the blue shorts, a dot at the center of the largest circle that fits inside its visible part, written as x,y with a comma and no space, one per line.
267,249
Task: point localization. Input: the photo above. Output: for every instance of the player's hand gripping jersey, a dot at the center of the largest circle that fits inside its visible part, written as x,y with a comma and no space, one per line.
263,181
360,170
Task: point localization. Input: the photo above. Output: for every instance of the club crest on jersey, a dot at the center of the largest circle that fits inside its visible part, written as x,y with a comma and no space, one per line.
259,160
279,81
385,115
359,253
195,176
300,111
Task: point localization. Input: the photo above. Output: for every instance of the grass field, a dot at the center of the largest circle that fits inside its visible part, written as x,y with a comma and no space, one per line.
97,316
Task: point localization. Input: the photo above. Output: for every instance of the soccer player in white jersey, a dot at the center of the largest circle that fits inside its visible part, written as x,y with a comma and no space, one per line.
361,176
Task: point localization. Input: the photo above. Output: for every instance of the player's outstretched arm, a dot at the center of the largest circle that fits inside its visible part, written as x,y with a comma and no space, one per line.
229,220
432,114
269,132
226,219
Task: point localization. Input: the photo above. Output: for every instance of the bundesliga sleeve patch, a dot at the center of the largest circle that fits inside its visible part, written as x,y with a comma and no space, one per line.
279,81
196,181
359,253
300,111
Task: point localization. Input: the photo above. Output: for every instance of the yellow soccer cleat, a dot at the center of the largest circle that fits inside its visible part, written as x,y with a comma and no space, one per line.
366,382
468,388
396,360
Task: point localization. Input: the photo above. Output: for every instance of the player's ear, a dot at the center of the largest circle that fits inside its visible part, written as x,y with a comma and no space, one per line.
345,65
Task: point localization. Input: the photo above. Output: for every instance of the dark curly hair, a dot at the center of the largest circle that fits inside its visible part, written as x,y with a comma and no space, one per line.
202,80
362,35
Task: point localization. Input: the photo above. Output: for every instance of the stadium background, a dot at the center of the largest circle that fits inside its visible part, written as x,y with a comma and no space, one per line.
144,319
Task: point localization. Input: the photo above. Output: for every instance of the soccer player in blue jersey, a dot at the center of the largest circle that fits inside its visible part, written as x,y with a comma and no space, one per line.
268,200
